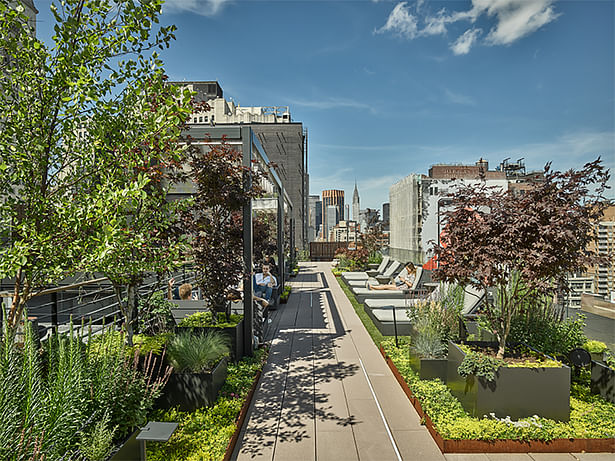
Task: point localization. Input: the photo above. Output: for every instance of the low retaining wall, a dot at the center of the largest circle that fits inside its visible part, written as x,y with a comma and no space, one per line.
500,446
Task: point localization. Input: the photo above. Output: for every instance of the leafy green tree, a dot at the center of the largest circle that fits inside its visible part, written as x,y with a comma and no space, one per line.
62,148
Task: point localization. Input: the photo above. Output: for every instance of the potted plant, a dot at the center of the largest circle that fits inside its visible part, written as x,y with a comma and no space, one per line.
603,377
199,363
231,327
596,349
522,384
285,294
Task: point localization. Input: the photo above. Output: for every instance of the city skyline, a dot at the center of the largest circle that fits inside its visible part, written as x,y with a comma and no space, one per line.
389,88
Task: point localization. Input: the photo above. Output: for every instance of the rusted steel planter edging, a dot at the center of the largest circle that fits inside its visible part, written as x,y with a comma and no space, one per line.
241,418
499,446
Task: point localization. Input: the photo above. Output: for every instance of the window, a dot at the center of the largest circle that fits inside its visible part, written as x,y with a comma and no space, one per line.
200,119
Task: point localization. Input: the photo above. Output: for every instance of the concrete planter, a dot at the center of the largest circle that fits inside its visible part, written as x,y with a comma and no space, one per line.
516,392
235,335
603,381
193,390
429,368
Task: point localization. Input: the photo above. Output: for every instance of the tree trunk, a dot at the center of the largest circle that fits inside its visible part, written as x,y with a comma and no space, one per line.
129,318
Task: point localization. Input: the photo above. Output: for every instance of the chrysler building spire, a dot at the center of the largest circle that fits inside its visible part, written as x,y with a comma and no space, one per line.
355,202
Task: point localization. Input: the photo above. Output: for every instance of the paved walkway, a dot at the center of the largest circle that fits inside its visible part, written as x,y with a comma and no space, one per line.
326,394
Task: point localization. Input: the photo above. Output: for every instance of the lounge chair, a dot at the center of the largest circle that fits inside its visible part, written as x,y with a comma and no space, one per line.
348,276
392,271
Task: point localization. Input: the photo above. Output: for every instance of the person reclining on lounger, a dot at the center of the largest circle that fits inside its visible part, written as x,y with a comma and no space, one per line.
401,282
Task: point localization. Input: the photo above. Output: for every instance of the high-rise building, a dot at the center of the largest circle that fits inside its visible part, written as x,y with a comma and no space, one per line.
385,216
331,219
347,212
604,275
330,198
355,203
284,141
418,202
314,216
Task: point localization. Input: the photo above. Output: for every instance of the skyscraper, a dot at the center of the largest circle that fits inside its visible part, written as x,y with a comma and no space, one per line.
331,198
355,203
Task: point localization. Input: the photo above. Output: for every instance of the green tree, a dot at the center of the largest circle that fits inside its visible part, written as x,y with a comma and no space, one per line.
62,150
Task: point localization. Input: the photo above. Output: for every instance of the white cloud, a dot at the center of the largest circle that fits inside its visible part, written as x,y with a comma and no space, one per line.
458,98
400,22
202,7
518,18
463,43
514,19
332,103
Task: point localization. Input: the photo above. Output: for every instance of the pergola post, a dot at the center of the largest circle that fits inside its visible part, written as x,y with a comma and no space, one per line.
248,305
280,238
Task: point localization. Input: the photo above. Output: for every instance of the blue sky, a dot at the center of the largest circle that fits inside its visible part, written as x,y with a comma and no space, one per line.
389,88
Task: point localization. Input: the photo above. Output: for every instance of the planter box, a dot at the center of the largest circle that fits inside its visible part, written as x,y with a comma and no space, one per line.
429,368
499,446
235,334
516,392
603,381
130,449
193,390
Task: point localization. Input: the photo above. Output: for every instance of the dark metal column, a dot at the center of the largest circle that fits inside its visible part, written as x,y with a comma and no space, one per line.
248,311
280,239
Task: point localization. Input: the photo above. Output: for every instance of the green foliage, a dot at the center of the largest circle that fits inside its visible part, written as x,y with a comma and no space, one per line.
595,347
352,260
538,324
285,293
303,255
590,415
96,444
206,319
48,396
204,434
154,344
480,365
155,314
374,258
195,353
81,118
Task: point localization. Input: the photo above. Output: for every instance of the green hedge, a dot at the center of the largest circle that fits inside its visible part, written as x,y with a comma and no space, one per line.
204,434
590,415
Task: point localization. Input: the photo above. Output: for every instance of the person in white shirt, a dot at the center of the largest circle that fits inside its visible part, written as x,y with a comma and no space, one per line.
401,282
264,282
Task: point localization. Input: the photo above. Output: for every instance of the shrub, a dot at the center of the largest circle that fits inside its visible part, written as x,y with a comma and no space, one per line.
353,260
154,344
595,347
540,325
48,396
155,314
206,319
96,444
480,365
196,353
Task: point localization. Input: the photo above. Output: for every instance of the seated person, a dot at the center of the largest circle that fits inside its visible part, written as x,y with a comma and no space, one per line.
236,294
184,292
403,281
264,282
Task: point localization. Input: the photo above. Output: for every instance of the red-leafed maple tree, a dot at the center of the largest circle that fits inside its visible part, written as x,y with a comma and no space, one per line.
522,244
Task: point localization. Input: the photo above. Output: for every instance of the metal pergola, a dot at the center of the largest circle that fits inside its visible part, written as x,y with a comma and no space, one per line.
254,156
